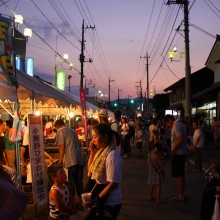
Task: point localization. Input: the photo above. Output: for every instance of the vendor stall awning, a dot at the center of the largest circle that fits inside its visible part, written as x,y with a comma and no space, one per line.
42,92
7,90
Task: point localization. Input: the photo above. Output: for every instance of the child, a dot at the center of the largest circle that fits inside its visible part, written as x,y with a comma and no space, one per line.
139,140
59,198
154,166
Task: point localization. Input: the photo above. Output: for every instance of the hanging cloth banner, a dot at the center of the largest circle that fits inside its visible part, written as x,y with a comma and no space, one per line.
83,102
82,96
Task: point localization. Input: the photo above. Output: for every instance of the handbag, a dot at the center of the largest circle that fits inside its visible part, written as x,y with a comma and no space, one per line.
93,187
96,211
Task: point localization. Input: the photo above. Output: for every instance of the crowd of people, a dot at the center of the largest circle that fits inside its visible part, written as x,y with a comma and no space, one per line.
108,144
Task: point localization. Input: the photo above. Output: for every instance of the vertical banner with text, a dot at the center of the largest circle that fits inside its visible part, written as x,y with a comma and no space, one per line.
38,166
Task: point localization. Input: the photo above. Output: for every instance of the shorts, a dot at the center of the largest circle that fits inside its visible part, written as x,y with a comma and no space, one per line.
178,165
139,145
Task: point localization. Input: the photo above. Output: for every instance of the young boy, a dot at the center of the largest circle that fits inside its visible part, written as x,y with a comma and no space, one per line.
59,198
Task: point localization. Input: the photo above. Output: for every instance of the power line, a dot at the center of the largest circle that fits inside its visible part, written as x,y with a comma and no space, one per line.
203,31
212,8
148,28
70,19
171,70
53,25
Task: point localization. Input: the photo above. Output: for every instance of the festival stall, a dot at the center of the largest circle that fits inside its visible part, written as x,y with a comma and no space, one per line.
35,94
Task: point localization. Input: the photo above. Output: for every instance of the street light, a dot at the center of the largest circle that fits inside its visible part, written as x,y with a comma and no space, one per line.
18,20
173,53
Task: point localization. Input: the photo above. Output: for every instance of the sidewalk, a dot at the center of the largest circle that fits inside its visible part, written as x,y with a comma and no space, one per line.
209,155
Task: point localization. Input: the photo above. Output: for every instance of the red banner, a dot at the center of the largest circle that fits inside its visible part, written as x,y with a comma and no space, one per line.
82,96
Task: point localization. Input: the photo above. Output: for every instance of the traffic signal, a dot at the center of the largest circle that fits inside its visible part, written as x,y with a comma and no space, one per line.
132,101
115,104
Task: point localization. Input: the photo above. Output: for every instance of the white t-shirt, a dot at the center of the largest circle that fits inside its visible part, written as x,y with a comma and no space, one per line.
114,166
198,134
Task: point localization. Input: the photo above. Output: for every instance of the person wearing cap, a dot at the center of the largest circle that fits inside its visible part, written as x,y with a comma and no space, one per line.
103,116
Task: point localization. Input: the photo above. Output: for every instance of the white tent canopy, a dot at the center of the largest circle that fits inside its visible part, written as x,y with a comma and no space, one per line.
32,87
7,91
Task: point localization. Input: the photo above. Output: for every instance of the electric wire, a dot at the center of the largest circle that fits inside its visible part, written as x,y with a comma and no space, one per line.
165,26
3,3
61,15
156,25
212,9
70,19
53,25
214,6
84,12
97,45
145,38
171,70
148,28
163,33
16,5
203,31
81,12
171,30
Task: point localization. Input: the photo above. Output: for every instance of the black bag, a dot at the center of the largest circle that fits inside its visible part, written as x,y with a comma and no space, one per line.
95,212
91,185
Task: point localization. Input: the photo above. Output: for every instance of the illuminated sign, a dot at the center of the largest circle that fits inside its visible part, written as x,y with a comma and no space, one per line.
30,66
19,63
61,80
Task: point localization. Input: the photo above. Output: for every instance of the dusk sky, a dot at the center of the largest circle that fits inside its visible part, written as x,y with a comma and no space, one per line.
125,30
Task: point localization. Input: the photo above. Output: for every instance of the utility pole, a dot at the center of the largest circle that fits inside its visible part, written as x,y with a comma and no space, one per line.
69,77
119,90
139,93
187,108
187,65
147,70
82,56
109,89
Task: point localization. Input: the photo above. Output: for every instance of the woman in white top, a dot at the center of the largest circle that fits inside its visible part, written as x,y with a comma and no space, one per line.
105,167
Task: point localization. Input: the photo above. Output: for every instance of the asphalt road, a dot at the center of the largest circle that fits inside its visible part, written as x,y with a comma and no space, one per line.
137,207
134,189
